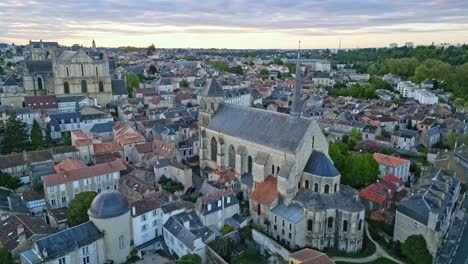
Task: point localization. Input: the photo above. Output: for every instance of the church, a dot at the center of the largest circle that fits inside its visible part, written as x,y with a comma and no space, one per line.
296,193
51,71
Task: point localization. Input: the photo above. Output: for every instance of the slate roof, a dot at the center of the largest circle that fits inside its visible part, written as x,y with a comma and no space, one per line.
68,240
213,198
150,203
39,66
213,89
271,129
108,204
10,81
291,213
118,87
176,205
319,164
405,133
343,200
175,225
102,127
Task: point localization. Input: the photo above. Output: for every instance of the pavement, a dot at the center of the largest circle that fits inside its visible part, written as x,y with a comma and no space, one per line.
379,253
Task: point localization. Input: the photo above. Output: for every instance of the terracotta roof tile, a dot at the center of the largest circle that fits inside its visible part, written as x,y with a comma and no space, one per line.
69,165
389,160
109,147
84,173
266,192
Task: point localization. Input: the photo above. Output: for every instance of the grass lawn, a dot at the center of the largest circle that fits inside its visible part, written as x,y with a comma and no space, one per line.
248,259
377,261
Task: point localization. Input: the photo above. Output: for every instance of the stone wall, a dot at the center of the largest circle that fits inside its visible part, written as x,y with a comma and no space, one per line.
212,257
269,244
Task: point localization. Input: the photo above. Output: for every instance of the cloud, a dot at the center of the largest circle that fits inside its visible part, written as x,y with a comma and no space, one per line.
85,19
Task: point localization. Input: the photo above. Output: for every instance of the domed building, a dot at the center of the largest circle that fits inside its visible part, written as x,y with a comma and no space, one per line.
110,212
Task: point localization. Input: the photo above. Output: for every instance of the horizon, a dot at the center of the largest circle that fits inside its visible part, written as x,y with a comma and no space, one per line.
237,24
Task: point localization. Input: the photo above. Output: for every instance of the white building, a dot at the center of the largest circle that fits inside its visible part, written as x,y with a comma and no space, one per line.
409,44
393,45
390,164
423,96
216,208
406,88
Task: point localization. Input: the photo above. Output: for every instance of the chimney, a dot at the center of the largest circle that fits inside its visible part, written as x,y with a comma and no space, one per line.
187,224
133,210
20,229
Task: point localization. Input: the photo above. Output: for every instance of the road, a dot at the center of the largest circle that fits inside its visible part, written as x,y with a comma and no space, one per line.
461,248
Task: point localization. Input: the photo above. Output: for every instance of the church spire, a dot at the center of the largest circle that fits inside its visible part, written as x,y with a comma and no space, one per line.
296,103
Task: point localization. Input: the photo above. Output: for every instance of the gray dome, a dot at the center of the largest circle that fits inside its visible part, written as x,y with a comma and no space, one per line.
319,164
108,204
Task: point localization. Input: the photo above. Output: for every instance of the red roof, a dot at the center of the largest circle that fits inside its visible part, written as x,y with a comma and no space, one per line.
69,165
389,160
84,173
390,178
266,192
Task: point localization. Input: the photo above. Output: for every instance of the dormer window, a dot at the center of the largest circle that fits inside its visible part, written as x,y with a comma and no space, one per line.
219,203
208,207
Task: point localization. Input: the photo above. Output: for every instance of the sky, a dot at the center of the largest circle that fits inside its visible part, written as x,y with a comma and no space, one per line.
236,24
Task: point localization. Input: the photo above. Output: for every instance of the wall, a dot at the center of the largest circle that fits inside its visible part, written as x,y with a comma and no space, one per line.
269,244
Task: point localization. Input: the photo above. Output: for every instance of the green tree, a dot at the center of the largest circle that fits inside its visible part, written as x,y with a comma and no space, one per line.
153,69
67,138
459,103
189,259
184,83
264,72
404,67
15,135
151,49
9,181
78,208
220,65
133,82
277,61
37,140
433,69
5,256
457,138
356,137
414,249
237,70
48,133
1,70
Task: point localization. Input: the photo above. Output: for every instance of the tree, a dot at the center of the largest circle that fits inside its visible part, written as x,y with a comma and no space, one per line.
9,182
456,138
237,70
415,250
151,49
264,72
77,212
48,133
459,102
15,135
220,65
37,140
5,256
153,69
189,259
356,136
184,83
67,138
133,82
277,61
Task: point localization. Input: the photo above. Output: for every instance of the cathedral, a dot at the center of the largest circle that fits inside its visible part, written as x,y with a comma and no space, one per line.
50,70
296,193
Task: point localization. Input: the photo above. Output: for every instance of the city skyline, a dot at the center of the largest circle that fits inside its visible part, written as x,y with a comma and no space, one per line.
235,24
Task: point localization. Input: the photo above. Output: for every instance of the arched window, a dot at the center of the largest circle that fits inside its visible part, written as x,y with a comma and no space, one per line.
39,83
66,88
97,71
249,164
360,224
313,141
306,184
345,225
336,187
310,224
214,149
84,86
68,73
330,222
101,86
316,187
232,157
82,70
327,188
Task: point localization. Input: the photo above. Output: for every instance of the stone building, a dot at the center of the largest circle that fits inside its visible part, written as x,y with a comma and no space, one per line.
50,71
287,156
